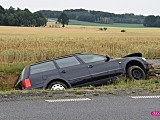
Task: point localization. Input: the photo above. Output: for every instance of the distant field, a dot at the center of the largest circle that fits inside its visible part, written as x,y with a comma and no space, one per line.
20,46
75,22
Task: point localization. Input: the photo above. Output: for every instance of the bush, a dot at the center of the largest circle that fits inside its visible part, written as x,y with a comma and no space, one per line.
103,29
100,28
123,30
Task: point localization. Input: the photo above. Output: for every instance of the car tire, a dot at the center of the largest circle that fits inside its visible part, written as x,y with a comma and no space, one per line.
136,72
57,86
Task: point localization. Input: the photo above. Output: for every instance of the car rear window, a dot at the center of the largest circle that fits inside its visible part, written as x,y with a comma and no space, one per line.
21,76
42,67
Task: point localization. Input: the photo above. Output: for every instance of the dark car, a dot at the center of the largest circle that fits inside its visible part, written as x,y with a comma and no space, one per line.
80,70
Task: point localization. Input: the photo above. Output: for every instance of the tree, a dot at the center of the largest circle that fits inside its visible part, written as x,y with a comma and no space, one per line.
39,20
94,16
13,17
149,21
63,19
86,17
1,10
11,9
157,23
152,21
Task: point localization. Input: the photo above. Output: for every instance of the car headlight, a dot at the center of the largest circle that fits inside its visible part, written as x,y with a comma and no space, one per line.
144,59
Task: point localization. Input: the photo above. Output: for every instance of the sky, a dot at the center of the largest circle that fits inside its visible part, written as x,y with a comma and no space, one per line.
138,7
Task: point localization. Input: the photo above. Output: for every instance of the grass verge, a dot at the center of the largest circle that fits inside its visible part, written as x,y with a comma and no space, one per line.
119,86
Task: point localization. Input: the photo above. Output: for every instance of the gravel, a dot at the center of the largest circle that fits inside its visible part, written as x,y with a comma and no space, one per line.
154,62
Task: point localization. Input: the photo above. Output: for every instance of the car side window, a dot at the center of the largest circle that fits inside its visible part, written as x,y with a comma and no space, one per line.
42,67
66,62
91,58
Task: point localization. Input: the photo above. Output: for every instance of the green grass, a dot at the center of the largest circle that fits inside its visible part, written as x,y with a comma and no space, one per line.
149,84
152,83
11,68
9,74
122,86
75,22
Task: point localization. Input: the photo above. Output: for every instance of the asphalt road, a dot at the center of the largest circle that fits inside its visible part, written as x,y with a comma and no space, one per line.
91,108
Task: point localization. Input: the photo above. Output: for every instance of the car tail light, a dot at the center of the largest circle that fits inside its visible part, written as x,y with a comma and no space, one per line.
26,83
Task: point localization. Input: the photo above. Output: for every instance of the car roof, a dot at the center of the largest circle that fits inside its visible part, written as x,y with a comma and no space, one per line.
75,54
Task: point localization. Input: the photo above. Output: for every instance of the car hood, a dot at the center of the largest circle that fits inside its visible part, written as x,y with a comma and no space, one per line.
138,54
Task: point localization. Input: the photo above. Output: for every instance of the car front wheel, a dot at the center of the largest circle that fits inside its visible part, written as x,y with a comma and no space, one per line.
57,86
136,72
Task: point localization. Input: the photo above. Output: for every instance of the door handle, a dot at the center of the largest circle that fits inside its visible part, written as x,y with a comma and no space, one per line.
63,71
90,66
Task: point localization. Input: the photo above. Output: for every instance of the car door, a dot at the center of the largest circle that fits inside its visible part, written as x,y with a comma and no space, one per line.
100,69
40,72
73,71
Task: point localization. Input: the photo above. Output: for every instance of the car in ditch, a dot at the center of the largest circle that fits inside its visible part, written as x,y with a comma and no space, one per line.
81,69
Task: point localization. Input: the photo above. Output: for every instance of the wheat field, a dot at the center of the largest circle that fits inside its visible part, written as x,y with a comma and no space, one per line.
27,44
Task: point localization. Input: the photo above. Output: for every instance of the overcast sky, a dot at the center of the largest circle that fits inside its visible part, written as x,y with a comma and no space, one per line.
138,7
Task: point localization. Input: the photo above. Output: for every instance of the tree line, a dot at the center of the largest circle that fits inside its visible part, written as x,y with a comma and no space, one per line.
152,21
96,16
18,17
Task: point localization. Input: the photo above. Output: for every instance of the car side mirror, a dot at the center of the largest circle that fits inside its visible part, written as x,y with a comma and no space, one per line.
107,59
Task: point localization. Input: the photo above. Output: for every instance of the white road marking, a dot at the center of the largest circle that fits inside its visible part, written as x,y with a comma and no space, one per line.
69,100
145,97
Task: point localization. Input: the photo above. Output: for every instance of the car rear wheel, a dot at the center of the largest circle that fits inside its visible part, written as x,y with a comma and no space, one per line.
57,86
136,72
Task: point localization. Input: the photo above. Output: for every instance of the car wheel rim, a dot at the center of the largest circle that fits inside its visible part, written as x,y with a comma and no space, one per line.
57,87
136,74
